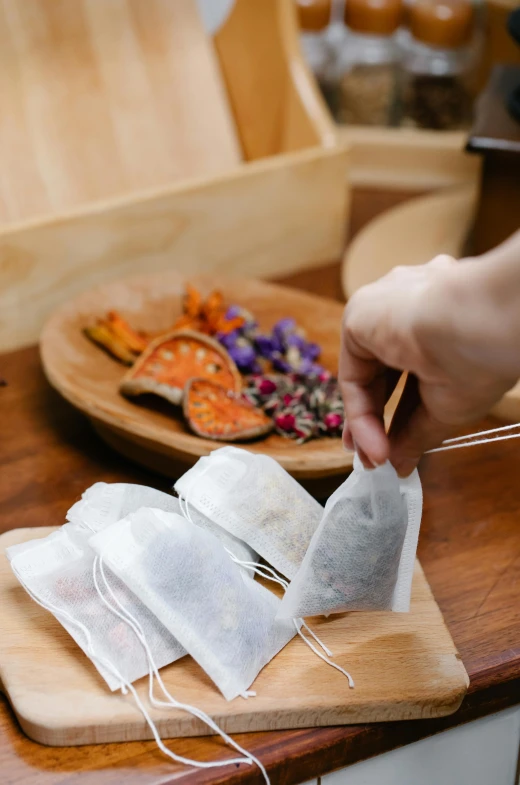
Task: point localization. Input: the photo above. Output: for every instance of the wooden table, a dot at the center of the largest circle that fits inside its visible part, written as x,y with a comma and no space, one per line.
469,548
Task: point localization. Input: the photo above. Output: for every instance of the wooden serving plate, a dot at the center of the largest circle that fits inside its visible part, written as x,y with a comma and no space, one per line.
405,666
152,432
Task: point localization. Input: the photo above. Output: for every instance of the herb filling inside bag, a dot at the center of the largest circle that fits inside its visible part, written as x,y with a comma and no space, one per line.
184,575
362,556
253,498
105,503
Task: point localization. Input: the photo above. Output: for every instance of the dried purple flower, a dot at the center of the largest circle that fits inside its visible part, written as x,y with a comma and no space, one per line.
244,356
284,326
311,351
280,364
232,312
228,340
297,341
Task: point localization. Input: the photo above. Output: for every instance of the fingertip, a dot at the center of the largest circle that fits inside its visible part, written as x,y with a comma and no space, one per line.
404,462
367,462
405,468
370,441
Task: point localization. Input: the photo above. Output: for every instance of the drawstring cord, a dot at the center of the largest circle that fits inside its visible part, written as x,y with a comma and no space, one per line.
133,623
269,574
126,687
458,442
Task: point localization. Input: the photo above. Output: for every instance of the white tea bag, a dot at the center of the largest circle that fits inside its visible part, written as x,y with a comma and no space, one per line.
183,574
362,556
57,572
105,503
254,499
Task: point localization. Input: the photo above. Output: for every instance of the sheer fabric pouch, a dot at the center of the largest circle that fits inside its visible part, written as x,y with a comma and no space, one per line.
254,499
362,555
58,573
105,503
185,577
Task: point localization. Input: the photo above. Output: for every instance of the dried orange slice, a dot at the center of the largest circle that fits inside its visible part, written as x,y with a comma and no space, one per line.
170,361
216,413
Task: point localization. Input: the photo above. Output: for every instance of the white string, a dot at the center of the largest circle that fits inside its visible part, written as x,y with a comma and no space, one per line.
473,443
125,686
134,624
482,433
262,570
256,567
298,623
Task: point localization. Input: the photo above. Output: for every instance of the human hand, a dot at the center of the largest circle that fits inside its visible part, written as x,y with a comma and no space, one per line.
429,320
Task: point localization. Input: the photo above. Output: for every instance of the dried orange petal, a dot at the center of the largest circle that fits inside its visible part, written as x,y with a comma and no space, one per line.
192,301
104,337
187,322
228,325
135,341
214,304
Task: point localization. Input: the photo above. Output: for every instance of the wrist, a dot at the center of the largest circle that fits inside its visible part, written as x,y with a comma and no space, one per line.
481,308
460,324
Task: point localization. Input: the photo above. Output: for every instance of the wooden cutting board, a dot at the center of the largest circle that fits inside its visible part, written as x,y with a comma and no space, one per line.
104,98
405,667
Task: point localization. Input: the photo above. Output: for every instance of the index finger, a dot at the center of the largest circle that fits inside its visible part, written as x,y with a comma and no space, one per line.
363,381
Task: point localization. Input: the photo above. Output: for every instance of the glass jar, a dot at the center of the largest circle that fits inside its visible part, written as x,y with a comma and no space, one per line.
314,18
368,64
438,65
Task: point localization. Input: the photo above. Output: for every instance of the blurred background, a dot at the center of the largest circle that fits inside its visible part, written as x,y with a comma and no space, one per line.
246,137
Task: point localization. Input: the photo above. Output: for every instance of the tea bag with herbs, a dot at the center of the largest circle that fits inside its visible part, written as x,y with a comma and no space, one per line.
105,503
185,577
58,572
362,556
253,498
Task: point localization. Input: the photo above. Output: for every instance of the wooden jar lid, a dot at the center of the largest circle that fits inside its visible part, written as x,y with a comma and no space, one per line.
375,17
443,23
314,15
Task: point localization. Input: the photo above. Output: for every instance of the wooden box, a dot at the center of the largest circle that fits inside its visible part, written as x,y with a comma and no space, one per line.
79,201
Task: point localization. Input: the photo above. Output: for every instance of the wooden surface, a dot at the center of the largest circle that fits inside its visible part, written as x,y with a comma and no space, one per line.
275,100
102,99
409,234
151,432
261,218
404,665
469,548
407,158
269,218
